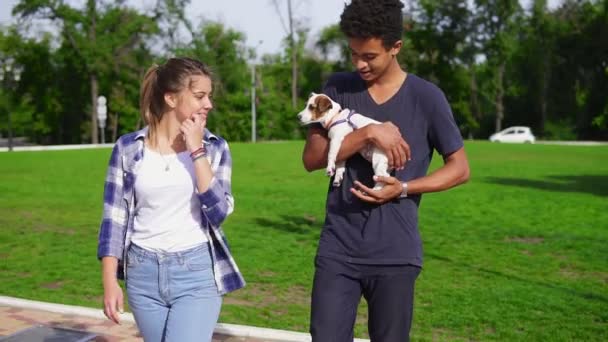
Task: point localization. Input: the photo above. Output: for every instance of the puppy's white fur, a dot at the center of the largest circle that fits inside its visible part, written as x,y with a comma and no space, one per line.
339,122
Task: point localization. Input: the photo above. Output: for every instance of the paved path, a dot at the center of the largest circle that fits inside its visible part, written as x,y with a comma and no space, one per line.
13,319
18,314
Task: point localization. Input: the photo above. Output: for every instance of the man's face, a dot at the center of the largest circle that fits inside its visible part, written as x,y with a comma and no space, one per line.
370,57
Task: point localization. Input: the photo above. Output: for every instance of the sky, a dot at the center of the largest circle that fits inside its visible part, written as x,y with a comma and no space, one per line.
258,19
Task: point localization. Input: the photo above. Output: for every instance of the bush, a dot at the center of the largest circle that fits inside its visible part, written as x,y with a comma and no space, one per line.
562,130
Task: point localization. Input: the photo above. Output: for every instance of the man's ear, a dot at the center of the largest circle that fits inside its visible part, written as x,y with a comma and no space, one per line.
394,51
171,100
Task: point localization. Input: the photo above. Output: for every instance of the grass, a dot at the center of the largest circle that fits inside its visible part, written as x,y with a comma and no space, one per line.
518,254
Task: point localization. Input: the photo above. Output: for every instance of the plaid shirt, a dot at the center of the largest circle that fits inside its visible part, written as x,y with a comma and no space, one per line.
216,204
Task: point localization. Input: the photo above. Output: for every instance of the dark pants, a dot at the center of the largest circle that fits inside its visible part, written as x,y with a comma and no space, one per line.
337,290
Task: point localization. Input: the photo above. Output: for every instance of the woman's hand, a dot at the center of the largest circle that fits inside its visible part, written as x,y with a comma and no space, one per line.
112,300
112,293
192,130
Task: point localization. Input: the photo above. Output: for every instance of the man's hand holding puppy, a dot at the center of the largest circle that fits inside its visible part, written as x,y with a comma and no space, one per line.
392,189
381,145
387,137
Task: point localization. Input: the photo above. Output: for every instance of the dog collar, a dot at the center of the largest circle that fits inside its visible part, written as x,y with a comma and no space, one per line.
346,120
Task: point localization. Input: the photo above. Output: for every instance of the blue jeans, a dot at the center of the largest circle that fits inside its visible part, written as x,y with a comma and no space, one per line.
173,296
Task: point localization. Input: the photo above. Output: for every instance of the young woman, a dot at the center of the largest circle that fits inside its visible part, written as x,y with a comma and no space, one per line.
167,192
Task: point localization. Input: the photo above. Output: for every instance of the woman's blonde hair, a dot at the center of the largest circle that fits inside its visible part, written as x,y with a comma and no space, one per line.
170,77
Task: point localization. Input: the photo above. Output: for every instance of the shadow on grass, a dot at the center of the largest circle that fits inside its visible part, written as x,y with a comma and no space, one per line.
585,295
592,184
304,225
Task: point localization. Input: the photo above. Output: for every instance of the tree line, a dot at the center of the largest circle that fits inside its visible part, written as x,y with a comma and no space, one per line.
498,63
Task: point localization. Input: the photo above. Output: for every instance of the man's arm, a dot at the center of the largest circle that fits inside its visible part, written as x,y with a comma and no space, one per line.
315,151
455,171
385,136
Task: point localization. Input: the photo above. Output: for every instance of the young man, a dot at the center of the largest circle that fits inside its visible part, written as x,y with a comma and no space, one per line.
370,244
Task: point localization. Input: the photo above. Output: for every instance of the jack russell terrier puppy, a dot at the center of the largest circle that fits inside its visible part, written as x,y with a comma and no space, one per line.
339,122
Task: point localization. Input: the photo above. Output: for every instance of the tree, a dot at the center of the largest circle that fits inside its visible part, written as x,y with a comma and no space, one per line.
333,43
499,21
293,29
439,46
223,49
102,38
14,100
543,44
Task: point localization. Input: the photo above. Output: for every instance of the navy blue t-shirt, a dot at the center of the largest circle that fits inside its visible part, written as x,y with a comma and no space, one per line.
387,234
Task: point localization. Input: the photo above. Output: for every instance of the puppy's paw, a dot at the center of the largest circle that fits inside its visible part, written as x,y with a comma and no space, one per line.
330,170
337,180
338,176
379,185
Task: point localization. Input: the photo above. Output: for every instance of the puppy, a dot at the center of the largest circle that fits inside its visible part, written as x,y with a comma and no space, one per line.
339,122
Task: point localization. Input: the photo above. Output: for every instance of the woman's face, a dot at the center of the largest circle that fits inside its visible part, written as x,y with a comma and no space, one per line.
195,99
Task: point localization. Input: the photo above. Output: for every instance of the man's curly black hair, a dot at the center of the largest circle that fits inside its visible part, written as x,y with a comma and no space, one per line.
373,19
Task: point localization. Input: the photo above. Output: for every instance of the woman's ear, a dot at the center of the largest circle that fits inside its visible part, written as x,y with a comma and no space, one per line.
171,100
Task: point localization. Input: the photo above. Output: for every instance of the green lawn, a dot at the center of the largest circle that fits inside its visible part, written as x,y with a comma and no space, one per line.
520,253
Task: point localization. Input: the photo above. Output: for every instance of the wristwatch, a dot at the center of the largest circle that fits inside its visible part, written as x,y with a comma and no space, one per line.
403,190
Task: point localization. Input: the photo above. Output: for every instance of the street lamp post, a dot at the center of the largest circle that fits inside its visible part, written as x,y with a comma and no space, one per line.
10,74
253,108
102,114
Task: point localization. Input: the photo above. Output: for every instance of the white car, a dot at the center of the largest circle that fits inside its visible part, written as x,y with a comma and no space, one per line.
515,134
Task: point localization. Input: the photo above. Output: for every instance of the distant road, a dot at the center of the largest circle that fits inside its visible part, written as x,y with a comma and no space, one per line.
3,147
572,143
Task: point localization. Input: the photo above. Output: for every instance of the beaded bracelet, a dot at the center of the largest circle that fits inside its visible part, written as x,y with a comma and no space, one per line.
199,153
199,156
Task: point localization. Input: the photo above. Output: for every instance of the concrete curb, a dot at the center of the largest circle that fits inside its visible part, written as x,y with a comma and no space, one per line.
55,147
221,328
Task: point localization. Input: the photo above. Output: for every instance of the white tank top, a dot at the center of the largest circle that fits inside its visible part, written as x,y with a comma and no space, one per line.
167,210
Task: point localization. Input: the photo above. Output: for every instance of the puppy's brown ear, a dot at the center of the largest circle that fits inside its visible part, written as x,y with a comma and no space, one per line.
322,104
